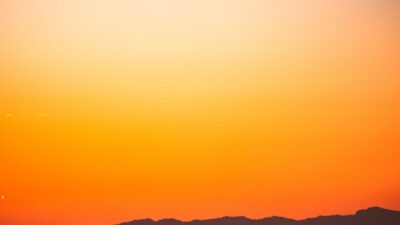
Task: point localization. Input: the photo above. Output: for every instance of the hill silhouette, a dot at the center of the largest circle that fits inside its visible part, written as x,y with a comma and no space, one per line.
370,216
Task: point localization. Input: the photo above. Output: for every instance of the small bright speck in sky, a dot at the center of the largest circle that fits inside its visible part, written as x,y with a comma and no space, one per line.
2,197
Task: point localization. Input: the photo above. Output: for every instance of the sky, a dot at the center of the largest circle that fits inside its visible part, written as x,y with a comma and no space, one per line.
117,110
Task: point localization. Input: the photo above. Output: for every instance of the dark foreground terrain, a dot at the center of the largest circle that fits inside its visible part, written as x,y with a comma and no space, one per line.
371,216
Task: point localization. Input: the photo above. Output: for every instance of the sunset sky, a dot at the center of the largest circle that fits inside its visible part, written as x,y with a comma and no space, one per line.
114,110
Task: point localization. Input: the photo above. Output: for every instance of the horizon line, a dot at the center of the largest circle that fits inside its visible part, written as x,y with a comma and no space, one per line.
261,218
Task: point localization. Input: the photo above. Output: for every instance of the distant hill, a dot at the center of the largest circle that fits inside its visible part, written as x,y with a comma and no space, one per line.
371,216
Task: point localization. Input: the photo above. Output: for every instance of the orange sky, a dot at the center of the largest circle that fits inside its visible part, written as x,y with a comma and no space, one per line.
116,110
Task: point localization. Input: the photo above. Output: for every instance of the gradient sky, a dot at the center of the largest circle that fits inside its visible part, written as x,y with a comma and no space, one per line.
117,110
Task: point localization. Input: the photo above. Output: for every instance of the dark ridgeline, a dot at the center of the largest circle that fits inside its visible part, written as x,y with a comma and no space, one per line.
371,216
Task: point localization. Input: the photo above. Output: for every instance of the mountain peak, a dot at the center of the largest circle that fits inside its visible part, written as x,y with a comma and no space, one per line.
375,210
146,221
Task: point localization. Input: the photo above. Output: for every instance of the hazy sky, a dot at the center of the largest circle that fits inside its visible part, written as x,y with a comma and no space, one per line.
116,110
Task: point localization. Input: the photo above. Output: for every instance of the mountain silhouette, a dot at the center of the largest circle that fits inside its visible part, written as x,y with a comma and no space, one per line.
370,216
